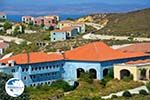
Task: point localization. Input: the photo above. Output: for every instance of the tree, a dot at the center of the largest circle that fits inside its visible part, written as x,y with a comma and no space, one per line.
4,95
7,25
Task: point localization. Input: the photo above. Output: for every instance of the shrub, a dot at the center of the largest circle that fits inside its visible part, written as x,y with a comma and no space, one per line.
86,77
114,96
143,92
96,98
128,78
148,86
85,98
60,84
127,94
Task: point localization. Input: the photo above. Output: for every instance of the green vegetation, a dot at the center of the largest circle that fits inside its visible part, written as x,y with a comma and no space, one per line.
4,95
7,25
60,84
127,94
128,24
96,89
45,92
128,78
86,77
23,47
143,92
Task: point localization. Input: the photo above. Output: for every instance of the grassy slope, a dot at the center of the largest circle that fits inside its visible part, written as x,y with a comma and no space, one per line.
133,23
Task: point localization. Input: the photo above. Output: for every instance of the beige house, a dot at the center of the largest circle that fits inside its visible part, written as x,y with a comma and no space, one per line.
139,69
67,23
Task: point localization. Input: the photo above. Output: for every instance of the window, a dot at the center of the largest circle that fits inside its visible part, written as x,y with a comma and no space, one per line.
25,78
53,33
50,67
26,69
32,69
13,70
43,67
54,38
22,69
49,82
57,66
35,68
39,68
46,67
54,66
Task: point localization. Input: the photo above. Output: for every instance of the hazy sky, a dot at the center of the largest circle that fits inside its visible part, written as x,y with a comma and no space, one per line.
70,6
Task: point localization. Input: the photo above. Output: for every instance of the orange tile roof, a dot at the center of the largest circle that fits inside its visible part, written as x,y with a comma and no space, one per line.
137,47
139,61
65,29
98,51
34,57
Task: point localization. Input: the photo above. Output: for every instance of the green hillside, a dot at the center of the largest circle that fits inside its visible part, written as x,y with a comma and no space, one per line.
135,23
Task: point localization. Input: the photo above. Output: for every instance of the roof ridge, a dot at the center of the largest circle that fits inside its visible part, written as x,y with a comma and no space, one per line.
96,51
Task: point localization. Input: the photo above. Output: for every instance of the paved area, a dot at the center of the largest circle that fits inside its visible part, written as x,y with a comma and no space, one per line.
132,91
108,37
96,26
15,39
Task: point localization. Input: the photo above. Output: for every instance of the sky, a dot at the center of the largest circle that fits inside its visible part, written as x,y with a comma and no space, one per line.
25,7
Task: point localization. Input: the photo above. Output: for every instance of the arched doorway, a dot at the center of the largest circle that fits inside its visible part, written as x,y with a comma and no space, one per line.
79,71
124,73
93,73
105,72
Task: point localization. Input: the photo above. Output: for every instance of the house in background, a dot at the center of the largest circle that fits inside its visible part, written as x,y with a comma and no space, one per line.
64,23
39,21
27,19
63,34
3,16
67,23
46,22
3,46
15,28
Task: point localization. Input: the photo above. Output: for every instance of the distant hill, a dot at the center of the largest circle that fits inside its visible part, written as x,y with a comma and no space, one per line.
135,23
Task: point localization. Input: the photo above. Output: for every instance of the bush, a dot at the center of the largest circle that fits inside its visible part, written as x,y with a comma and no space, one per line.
143,92
127,94
86,77
96,98
85,98
114,96
128,78
60,84
148,86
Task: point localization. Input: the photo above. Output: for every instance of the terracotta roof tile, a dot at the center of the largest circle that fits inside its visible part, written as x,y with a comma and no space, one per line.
34,57
98,51
138,47
139,61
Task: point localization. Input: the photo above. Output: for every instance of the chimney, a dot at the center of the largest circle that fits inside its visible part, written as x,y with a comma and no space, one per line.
71,48
63,54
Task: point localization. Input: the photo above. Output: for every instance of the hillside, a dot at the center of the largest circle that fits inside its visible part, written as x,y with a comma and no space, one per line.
135,23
